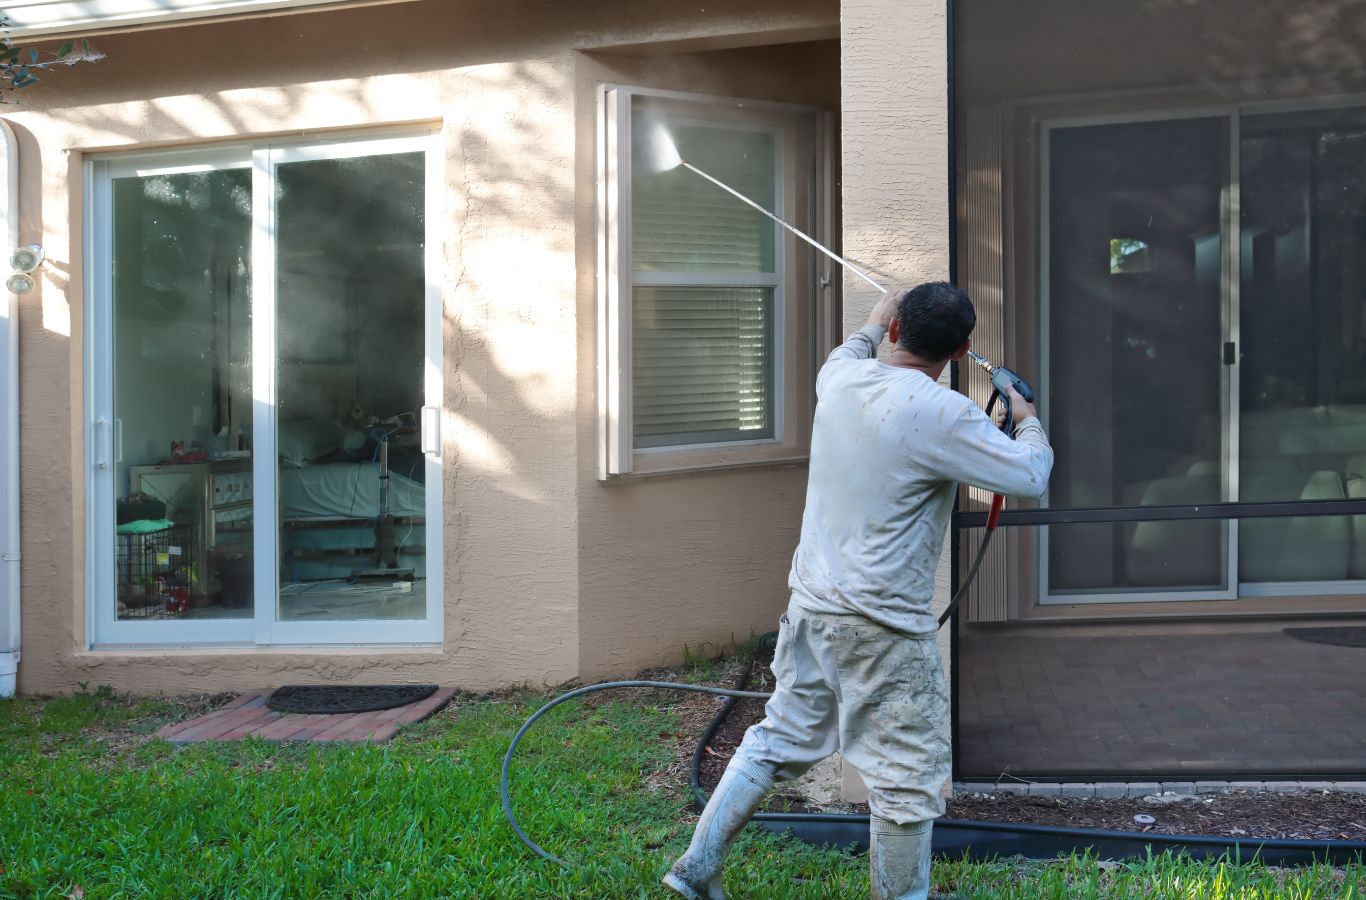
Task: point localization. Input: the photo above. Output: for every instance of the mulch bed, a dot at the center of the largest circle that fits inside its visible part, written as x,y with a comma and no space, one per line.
1306,815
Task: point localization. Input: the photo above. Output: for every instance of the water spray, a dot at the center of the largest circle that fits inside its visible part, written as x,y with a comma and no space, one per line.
667,157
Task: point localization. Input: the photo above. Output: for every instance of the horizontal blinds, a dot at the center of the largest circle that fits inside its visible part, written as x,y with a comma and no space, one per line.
702,364
682,223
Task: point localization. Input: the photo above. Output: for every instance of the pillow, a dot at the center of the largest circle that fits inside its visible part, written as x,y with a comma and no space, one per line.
302,440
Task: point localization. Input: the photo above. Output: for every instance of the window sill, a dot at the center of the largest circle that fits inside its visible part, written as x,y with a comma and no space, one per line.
673,469
145,650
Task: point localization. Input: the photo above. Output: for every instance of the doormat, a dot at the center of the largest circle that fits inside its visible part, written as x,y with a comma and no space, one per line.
1346,636
332,698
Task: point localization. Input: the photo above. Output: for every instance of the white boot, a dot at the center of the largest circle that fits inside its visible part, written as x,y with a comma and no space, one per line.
899,859
697,873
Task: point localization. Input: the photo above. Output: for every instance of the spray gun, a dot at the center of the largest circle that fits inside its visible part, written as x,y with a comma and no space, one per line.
1001,380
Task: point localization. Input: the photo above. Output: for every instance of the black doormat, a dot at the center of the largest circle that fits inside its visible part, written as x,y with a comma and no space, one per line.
330,698
1346,636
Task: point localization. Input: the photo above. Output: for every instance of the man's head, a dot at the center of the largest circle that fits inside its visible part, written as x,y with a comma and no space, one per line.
934,322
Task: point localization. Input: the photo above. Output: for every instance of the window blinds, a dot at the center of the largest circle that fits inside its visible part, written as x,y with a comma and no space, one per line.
703,364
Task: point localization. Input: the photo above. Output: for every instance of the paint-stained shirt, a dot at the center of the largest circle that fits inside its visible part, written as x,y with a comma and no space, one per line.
888,447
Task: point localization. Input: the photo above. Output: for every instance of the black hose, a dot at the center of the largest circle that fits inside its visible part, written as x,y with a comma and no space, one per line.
592,688
766,642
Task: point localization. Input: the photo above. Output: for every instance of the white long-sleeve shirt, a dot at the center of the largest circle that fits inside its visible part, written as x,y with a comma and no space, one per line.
888,447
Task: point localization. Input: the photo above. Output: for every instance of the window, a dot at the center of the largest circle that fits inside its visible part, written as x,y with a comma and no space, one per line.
265,464
706,305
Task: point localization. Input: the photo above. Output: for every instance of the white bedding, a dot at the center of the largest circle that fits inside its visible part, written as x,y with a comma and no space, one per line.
346,490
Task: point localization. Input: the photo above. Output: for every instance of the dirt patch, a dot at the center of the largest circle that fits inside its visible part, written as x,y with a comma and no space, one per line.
141,717
1304,815
118,723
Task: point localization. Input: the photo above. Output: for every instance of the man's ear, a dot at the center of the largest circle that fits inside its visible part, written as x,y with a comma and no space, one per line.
894,332
962,351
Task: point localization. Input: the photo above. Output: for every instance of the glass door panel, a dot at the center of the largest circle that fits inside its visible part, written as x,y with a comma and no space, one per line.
1302,431
351,312
181,402
1135,403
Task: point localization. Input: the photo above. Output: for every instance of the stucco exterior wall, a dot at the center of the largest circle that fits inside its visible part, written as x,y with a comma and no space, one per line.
500,81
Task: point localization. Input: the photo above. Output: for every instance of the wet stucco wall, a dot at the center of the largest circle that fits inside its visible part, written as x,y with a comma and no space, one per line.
499,81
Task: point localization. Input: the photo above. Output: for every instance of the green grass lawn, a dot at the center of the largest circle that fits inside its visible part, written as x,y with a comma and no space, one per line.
91,807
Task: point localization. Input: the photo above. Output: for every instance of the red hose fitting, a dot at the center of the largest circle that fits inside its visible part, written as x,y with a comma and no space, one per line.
997,502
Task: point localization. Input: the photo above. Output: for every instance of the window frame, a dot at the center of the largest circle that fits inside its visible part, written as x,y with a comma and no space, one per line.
802,285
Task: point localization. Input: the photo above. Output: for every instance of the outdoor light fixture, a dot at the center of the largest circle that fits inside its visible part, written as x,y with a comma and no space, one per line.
23,261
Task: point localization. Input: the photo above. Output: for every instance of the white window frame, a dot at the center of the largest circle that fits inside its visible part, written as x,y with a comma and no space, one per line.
262,627
800,282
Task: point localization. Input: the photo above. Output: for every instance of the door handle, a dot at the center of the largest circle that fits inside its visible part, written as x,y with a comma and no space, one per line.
100,445
118,440
1230,353
431,430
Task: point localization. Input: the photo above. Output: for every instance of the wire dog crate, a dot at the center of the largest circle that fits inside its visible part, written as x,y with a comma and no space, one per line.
156,572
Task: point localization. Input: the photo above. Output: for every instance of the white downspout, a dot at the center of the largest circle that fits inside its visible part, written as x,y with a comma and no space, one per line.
9,425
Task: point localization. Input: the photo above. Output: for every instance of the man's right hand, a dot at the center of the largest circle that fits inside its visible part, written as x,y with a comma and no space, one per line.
1020,408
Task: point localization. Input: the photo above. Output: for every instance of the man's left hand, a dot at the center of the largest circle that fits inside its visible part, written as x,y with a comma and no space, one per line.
886,309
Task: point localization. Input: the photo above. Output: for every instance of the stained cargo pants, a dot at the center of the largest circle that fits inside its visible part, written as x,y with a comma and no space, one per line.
876,695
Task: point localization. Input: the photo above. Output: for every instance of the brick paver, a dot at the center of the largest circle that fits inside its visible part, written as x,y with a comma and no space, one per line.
1158,702
248,716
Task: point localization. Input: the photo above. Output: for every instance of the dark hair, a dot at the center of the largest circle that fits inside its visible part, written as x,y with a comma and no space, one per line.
935,319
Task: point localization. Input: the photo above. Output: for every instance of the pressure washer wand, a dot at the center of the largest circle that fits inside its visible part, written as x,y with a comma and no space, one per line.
797,231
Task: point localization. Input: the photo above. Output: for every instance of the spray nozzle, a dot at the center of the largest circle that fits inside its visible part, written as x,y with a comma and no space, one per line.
981,361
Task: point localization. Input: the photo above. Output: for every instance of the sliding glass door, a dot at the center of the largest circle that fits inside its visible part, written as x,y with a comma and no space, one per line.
1204,332
1135,386
265,341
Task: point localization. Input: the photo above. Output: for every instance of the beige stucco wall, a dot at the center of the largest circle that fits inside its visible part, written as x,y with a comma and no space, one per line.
525,527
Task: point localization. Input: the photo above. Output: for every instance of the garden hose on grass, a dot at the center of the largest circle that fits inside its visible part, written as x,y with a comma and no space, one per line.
1001,378
733,694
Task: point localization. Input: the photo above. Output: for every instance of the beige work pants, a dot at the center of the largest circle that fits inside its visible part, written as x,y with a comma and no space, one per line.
876,695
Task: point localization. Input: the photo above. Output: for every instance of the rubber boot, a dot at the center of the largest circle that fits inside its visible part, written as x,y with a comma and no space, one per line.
899,859
697,873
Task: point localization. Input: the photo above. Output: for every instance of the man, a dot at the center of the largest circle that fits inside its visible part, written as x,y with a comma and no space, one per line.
857,665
